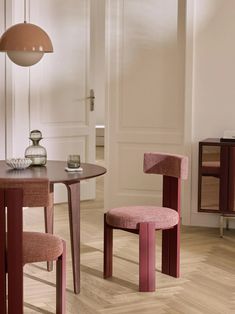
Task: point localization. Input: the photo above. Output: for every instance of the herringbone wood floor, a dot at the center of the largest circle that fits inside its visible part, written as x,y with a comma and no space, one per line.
207,283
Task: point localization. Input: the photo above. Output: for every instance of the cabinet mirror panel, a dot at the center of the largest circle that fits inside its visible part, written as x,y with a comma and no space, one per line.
209,193
231,180
209,178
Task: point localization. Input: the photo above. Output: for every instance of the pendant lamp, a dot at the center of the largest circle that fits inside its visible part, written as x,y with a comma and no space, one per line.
25,43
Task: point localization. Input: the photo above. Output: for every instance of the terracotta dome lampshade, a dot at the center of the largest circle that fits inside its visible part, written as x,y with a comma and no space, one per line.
25,43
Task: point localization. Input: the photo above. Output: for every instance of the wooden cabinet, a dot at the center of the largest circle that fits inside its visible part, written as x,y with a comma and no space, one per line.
216,176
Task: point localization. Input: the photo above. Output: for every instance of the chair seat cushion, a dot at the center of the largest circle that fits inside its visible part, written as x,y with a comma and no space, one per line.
130,216
40,247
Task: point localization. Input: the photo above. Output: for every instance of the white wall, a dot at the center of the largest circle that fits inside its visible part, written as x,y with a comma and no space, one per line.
214,82
2,87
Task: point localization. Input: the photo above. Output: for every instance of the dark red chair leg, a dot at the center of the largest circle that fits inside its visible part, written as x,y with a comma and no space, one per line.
14,203
146,257
49,219
171,251
171,237
108,249
165,252
61,282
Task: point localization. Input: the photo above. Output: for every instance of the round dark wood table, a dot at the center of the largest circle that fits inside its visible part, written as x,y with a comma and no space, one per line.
55,172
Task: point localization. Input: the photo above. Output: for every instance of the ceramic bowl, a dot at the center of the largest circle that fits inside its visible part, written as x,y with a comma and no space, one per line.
19,163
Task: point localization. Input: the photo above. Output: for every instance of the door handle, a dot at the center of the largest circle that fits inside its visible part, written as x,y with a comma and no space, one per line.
92,99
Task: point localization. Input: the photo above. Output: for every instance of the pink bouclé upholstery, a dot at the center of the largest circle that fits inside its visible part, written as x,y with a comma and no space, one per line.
40,247
35,190
18,248
166,164
129,217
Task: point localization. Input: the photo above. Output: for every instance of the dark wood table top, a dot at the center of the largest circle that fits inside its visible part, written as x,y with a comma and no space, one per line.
53,170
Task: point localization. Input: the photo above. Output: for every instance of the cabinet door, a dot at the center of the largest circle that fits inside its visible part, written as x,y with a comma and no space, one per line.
231,181
209,178
216,180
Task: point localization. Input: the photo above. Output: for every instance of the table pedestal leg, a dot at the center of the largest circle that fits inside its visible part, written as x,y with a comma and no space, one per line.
49,219
74,222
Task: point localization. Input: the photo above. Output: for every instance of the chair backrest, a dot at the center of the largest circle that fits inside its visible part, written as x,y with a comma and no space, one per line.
35,191
11,242
166,164
173,168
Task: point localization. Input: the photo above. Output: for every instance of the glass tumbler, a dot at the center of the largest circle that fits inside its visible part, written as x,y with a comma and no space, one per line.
73,161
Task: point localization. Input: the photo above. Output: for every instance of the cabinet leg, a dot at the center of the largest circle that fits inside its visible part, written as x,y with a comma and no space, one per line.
227,223
221,226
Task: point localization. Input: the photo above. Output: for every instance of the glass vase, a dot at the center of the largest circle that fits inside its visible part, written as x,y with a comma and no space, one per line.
36,152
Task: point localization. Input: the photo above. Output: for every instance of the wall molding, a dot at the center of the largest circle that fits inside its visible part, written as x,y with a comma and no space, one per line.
189,64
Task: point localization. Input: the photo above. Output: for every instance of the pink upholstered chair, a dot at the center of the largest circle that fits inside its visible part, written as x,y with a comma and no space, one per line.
144,220
18,248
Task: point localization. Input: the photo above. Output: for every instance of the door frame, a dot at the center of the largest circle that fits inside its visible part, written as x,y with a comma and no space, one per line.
188,121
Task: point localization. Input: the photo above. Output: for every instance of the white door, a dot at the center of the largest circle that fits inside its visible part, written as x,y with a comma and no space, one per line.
145,94
59,86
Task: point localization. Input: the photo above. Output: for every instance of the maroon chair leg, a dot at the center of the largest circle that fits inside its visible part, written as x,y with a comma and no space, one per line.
146,257
108,250
14,203
171,237
171,251
61,282
49,219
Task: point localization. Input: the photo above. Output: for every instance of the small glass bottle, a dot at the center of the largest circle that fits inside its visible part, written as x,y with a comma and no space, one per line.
36,152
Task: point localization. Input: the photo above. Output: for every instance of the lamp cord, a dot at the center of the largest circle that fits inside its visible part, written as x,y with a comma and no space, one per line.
24,11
